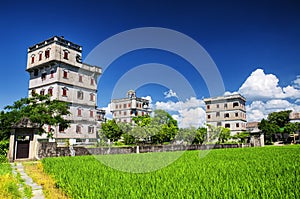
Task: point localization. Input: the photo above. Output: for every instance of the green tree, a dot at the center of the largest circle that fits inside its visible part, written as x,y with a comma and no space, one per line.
241,137
39,109
201,136
224,135
110,131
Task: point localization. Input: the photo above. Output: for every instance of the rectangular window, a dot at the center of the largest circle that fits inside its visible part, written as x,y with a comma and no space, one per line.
235,104
218,114
90,129
47,53
116,106
219,123
124,105
40,56
125,113
32,59
42,92
226,115
78,129
66,54
208,107
237,125
92,81
61,128
64,92
236,114
129,105
217,105
80,78
91,113
227,125
44,76
79,112
208,116
225,105
65,74
80,95
52,74
92,97
50,91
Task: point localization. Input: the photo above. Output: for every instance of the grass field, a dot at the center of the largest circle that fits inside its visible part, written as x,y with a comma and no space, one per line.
8,183
268,172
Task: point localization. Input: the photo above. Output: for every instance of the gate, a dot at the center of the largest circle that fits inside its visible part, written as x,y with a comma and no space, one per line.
22,149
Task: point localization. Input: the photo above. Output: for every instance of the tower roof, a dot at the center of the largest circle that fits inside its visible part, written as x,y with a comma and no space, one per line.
56,39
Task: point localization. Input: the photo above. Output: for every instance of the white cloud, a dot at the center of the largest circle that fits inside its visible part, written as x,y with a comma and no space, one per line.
170,93
107,109
261,86
258,110
188,113
296,82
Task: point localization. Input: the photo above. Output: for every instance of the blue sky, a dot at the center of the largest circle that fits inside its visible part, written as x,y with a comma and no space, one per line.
254,44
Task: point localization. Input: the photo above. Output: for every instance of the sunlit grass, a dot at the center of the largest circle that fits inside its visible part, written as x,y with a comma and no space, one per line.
271,172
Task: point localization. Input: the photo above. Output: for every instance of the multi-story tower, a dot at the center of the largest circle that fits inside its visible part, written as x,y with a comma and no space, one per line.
56,69
124,109
227,111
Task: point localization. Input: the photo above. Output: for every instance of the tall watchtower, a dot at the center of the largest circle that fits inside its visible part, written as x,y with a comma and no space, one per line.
55,68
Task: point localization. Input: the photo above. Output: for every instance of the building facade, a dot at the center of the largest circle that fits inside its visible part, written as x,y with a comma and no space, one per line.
55,68
227,111
124,109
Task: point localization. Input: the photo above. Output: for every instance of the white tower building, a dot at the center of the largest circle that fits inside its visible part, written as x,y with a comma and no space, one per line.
56,69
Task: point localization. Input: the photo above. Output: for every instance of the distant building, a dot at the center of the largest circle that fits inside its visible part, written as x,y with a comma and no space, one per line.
55,68
227,111
295,117
124,109
256,135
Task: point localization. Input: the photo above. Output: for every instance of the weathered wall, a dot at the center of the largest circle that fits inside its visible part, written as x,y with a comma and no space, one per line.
50,149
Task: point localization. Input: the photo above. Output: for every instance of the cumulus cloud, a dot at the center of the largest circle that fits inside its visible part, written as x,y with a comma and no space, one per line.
265,86
170,93
296,82
188,113
257,110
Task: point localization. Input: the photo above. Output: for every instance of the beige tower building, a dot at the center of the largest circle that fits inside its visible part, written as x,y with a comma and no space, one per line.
124,109
227,111
56,69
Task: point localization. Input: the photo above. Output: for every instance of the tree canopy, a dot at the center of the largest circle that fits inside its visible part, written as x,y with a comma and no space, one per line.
39,109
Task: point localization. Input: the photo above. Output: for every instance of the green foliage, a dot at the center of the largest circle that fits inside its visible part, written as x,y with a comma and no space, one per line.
277,122
265,172
241,137
4,145
110,130
192,135
39,109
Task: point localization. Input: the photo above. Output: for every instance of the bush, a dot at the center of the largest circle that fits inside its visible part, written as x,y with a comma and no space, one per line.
4,145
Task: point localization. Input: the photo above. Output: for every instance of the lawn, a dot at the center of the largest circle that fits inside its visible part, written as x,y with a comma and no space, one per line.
266,172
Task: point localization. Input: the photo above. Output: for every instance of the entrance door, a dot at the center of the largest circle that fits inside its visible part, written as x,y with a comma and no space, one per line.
22,149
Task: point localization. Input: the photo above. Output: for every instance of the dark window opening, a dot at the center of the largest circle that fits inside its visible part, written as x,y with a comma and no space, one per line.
226,115
208,107
64,92
217,114
65,75
66,54
80,78
40,56
235,104
79,112
237,125
225,105
47,53
52,74
44,76
32,59
236,114
42,92
36,72
219,123
50,91
227,125
208,116
80,95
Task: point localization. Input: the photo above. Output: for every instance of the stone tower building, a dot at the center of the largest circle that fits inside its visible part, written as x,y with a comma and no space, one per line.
124,109
55,68
227,111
